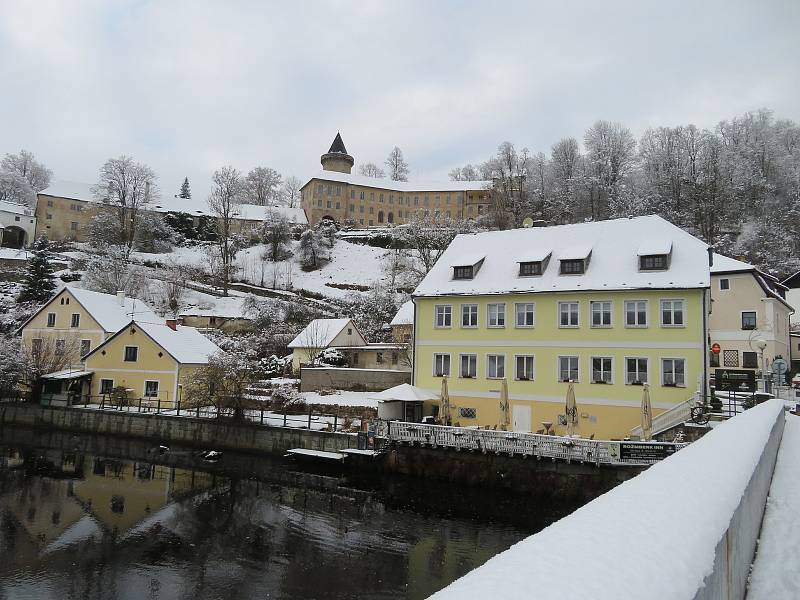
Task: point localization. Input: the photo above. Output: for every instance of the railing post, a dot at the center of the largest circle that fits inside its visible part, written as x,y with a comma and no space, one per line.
284,416
262,415
335,420
309,417
179,408
140,405
102,402
198,410
158,408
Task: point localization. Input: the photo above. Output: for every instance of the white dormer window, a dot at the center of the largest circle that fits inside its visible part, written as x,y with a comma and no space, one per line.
528,269
653,262
654,255
573,266
463,272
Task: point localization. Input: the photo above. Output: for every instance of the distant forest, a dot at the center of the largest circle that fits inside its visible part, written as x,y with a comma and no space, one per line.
736,186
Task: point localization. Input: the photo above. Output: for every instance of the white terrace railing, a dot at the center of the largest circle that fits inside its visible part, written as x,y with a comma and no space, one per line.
680,413
598,452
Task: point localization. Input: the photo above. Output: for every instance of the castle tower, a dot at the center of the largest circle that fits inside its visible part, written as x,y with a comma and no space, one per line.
337,158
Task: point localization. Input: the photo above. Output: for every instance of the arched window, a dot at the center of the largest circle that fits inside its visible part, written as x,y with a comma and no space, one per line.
390,218
380,216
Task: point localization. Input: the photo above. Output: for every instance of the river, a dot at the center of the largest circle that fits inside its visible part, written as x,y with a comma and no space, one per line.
99,518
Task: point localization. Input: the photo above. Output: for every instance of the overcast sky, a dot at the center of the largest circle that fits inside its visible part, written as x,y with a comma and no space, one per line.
187,87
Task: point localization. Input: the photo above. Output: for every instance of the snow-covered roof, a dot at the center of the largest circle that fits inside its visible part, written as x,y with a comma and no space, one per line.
185,344
319,333
725,264
468,260
401,186
614,265
14,208
654,247
404,316
405,392
534,255
229,307
67,374
109,313
192,206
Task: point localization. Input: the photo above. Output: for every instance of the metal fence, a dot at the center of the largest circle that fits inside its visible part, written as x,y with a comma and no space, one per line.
598,452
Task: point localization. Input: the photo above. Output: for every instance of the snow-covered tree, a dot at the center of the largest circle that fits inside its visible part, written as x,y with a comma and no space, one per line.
262,186
290,191
154,234
15,188
25,165
127,187
371,170
276,235
398,167
223,383
466,173
312,251
111,271
12,366
38,284
172,277
423,240
610,155
225,202
186,191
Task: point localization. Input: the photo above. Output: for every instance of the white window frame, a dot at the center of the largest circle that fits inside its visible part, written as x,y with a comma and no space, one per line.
558,367
461,358
125,352
445,313
610,370
663,372
517,306
501,311
488,365
436,357
158,388
646,371
475,313
637,325
532,358
672,312
592,305
578,314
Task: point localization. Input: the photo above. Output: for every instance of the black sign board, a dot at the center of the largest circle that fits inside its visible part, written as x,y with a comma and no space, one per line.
734,380
644,451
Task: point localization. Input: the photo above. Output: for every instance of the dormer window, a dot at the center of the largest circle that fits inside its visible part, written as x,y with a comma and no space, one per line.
463,272
529,269
468,268
573,266
653,262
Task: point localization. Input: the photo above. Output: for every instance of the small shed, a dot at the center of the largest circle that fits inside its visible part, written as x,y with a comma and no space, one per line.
405,402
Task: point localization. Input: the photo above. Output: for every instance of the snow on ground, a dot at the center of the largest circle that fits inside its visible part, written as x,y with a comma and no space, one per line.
653,536
774,573
342,398
14,254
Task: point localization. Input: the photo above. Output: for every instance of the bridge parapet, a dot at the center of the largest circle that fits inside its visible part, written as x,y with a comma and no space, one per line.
684,529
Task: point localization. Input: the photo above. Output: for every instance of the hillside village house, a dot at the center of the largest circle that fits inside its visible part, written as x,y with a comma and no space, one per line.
17,225
78,321
152,360
403,323
343,335
336,194
608,305
64,211
749,314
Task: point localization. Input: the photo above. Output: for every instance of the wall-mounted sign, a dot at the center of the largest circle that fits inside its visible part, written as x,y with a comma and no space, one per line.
715,348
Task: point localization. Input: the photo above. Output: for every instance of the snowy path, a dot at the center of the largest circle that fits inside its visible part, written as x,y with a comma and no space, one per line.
775,571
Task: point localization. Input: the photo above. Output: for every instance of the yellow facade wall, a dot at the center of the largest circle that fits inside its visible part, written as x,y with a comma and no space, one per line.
605,410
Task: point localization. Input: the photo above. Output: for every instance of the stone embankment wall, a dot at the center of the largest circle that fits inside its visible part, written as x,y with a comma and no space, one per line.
368,380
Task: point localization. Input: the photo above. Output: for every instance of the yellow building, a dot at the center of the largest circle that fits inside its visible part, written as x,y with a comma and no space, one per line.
749,316
75,321
151,360
607,305
335,193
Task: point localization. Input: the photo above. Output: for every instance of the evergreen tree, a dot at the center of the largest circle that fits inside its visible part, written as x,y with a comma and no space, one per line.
185,191
38,284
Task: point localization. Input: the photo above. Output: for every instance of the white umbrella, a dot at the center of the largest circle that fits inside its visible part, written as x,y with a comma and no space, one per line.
647,414
444,408
505,408
571,409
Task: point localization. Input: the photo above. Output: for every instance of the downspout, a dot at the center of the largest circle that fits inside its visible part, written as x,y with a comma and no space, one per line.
414,344
705,346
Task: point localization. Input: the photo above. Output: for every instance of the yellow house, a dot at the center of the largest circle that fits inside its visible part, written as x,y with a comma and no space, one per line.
749,316
335,193
606,305
75,321
150,360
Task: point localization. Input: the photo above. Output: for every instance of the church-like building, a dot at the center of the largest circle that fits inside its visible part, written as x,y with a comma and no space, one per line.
335,193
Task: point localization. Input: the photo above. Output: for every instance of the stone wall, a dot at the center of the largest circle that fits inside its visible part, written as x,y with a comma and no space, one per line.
368,380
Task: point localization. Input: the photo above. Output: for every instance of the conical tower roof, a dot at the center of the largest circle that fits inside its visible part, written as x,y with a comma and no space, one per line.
338,145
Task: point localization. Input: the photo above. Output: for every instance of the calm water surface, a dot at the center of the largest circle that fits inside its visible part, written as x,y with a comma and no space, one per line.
103,518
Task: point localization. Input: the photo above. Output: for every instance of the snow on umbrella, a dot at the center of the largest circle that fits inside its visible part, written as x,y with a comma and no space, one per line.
571,409
505,408
647,414
444,404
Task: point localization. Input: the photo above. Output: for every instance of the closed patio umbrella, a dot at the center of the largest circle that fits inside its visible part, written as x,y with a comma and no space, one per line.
444,405
505,407
647,414
571,409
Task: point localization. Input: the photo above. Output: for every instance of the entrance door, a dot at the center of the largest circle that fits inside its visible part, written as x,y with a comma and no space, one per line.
522,417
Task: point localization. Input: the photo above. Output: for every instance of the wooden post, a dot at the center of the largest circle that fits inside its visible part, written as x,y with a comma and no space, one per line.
179,408
198,409
284,416
262,415
140,405
158,406
103,401
309,417
335,420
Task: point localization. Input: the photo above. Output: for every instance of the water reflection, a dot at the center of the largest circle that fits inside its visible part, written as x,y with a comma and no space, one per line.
79,525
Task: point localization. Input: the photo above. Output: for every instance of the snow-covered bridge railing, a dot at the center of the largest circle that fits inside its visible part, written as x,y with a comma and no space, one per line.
599,452
684,529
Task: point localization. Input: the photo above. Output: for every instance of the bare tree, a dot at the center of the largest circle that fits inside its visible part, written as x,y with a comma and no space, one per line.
290,192
110,271
466,173
225,202
424,239
223,383
510,201
15,188
371,170
47,355
25,164
276,234
262,185
611,153
398,167
173,277
128,187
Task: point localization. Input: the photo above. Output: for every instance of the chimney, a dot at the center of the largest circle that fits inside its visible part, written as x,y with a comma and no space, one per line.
172,324
121,297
